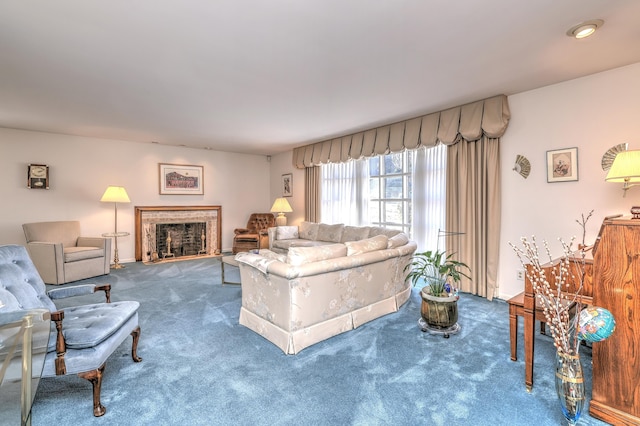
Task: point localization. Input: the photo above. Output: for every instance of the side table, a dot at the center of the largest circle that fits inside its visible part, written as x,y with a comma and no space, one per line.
115,235
24,337
228,260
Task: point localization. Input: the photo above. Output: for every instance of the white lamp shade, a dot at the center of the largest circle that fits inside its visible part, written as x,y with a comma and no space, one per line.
625,167
115,194
281,205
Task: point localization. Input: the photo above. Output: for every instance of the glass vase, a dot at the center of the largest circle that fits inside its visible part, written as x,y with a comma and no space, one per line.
570,386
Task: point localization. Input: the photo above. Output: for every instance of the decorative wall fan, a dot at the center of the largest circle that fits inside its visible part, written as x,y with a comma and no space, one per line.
610,155
522,166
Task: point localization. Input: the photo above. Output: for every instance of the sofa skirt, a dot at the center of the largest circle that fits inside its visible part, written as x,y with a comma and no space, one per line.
292,342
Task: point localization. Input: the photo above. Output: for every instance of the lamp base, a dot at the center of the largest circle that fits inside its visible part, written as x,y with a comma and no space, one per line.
281,220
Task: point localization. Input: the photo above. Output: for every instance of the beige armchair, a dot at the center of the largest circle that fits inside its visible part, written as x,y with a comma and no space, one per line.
61,255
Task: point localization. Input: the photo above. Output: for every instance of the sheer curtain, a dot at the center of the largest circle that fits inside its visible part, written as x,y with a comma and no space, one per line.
429,197
345,192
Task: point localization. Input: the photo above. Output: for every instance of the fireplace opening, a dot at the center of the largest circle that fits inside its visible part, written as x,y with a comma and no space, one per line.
181,239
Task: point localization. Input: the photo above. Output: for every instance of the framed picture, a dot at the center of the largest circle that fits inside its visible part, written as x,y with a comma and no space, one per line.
38,176
562,165
287,185
178,179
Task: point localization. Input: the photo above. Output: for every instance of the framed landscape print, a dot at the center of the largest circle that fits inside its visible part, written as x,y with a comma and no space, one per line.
562,165
178,179
287,185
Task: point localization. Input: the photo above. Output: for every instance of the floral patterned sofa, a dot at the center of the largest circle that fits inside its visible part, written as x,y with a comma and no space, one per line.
317,291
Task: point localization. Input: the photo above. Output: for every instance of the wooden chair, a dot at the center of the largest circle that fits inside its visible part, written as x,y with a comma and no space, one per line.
255,235
84,336
531,311
516,309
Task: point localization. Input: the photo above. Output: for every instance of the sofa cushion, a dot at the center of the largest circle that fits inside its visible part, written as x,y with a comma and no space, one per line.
332,233
301,255
309,230
286,232
73,254
355,233
379,242
398,240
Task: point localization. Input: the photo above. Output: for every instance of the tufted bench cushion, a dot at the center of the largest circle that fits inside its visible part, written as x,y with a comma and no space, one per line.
92,324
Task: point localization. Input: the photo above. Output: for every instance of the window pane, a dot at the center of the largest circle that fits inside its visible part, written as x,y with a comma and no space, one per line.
393,163
393,187
374,166
393,212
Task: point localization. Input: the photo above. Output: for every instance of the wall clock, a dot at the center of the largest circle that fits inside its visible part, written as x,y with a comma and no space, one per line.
38,176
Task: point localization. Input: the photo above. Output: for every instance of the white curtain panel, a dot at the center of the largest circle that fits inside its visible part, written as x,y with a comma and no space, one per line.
429,197
345,193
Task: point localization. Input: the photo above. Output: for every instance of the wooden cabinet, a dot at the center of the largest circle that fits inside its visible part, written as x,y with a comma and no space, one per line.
616,287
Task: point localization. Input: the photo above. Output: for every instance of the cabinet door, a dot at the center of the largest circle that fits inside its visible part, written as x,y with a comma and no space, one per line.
616,361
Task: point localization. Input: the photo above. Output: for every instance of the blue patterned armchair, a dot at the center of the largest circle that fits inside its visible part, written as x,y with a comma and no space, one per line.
82,337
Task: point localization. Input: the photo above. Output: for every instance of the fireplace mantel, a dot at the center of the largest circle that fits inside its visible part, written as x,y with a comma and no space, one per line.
141,211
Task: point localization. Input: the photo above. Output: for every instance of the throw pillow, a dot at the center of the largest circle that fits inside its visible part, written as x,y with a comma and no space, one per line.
330,233
398,240
308,230
379,242
300,255
286,232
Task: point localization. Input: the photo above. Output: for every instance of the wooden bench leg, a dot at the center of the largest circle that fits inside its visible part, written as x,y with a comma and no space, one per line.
513,332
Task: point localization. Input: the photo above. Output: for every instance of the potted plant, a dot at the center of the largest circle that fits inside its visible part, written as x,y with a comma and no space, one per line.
441,274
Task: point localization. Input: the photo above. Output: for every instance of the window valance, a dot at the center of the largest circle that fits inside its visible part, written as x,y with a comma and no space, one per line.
488,117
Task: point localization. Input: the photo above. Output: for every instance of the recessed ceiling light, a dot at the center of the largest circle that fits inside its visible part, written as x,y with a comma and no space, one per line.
585,29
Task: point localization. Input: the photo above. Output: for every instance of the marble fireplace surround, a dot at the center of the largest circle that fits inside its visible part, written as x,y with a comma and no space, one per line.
146,217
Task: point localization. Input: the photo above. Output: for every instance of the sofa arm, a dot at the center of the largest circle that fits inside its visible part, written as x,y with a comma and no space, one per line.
98,242
49,260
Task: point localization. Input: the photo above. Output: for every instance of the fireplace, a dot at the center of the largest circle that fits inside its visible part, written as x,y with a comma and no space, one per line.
171,232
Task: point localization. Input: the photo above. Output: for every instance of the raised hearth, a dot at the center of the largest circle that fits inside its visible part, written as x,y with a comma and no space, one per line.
189,230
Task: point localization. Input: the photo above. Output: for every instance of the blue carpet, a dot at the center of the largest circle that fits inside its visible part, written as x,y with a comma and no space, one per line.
200,367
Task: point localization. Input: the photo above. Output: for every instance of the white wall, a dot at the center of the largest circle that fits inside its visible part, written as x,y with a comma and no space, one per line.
82,168
282,164
593,114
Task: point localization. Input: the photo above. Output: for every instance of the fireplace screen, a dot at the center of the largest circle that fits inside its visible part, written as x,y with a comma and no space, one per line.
181,239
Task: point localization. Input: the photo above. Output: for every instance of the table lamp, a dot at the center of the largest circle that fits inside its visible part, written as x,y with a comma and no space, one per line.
281,206
115,195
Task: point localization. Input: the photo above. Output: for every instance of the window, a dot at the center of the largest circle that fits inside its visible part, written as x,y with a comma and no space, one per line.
380,191
390,187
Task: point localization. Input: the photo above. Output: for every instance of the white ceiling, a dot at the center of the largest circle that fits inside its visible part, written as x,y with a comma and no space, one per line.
262,77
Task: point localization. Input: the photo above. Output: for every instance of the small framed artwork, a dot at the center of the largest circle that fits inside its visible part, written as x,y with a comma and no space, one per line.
178,179
562,165
287,185
38,176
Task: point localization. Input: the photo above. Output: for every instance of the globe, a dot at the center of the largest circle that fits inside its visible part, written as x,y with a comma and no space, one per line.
595,324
